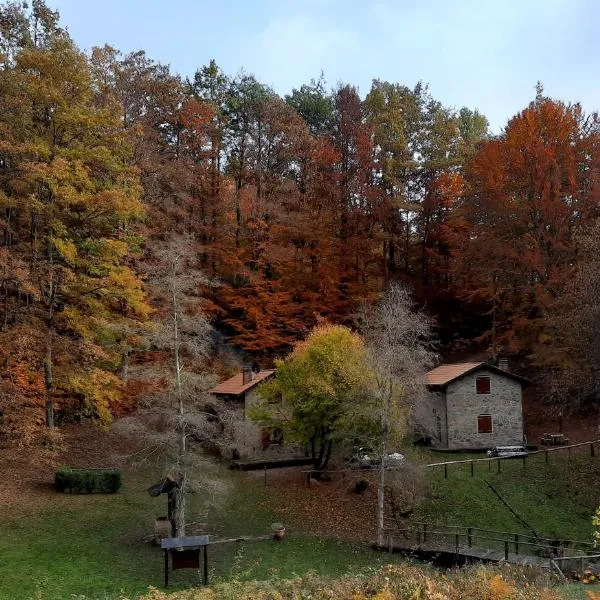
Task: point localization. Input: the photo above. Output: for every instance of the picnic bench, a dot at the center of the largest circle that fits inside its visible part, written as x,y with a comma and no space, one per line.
554,439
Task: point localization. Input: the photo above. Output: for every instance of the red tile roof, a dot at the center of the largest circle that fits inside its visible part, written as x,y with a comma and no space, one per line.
235,386
444,374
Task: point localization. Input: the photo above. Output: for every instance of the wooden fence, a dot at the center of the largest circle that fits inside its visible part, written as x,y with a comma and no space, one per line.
453,537
524,458
571,564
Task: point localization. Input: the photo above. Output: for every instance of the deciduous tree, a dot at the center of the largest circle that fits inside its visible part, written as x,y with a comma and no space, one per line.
68,198
315,388
398,351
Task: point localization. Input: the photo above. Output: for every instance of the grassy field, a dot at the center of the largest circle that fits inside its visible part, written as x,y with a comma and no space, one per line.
90,546
577,592
557,499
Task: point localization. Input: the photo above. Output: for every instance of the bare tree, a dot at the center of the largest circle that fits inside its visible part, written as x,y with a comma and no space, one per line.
398,340
179,410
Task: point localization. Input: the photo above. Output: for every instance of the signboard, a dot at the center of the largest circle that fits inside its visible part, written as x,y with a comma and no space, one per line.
185,554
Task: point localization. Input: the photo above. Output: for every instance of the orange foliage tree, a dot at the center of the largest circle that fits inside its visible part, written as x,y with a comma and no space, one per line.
514,229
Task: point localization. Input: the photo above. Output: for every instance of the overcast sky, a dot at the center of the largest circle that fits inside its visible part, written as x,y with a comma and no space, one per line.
485,54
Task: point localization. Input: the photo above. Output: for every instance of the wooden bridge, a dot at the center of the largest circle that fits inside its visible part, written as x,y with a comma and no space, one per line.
474,544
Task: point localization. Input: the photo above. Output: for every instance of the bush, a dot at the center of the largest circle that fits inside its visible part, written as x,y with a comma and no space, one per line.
87,481
394,582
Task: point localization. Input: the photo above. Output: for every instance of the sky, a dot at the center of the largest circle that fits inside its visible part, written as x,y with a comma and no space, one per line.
484,54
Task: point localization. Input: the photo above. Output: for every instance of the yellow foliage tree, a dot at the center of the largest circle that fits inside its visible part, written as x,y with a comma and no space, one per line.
68,198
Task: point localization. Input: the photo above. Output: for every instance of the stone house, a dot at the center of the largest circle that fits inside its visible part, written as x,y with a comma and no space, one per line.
474,406
241,389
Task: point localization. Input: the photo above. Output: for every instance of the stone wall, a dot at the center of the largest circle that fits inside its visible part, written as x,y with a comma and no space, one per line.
503,403
430,418
249,436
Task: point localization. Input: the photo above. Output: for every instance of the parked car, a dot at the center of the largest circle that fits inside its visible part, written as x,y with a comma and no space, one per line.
506,451
365,458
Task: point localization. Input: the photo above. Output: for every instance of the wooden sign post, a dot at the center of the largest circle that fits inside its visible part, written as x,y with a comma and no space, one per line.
185,554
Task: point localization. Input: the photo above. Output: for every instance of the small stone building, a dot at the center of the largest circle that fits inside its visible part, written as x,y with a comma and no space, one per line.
474,406
241,389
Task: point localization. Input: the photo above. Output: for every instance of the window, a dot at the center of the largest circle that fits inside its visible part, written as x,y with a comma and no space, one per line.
484,424
271,436
482,385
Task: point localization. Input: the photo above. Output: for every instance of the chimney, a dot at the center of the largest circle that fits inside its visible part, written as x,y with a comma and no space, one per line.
503,364
247,375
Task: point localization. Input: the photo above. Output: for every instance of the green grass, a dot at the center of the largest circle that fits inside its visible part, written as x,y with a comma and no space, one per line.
91,545
556,499
577,591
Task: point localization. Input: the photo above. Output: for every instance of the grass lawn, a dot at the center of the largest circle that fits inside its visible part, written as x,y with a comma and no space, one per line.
90,546
557,499
71,546
577,591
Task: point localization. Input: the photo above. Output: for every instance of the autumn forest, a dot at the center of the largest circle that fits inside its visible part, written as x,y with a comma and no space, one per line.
291,211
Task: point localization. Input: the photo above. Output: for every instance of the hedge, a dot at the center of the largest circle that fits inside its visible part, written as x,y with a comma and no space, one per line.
87,481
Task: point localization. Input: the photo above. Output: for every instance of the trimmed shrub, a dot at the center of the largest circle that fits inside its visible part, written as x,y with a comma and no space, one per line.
87,481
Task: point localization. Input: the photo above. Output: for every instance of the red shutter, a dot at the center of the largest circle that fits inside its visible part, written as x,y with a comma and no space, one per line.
484,424
482,385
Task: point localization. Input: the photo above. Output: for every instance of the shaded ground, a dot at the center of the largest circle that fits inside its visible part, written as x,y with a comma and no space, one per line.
579,426
26,475
557,499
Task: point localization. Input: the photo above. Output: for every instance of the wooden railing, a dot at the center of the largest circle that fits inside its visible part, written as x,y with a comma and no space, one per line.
573,563
455,536
498,459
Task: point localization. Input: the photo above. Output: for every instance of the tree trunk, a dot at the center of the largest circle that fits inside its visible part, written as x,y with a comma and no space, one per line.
172,510
125,365
180,507
179,513
48,381
387,392
381,502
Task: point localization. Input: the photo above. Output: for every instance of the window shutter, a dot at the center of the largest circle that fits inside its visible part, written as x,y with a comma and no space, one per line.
484,424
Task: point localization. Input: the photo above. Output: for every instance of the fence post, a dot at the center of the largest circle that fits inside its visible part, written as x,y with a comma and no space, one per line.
592,449
424,532
265,476
516,543
205,565
470,536
472,469
498,461
546,453
505,550
445,471
489,464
